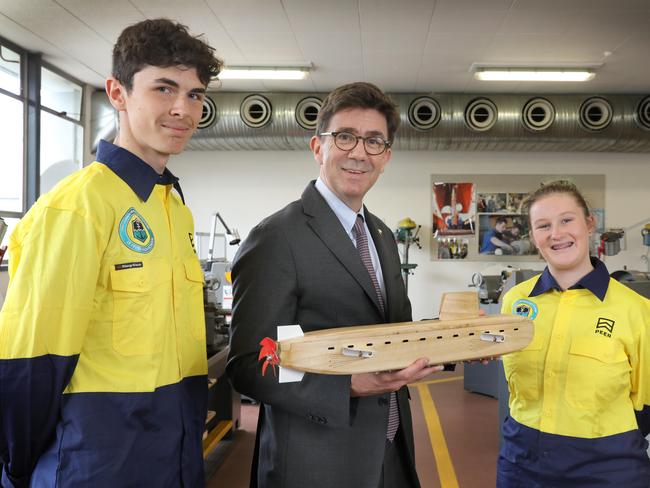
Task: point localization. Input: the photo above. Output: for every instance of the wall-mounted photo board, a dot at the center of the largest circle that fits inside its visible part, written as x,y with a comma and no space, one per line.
479,217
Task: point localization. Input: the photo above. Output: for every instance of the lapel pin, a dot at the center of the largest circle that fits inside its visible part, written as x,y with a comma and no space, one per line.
380,232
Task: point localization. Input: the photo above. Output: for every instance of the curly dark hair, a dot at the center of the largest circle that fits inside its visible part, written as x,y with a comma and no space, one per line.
163,43
358,95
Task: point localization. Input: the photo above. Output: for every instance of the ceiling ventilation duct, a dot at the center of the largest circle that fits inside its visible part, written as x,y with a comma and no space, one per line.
271,121
281,121
497,123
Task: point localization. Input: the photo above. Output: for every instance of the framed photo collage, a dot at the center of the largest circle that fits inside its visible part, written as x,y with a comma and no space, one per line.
480,217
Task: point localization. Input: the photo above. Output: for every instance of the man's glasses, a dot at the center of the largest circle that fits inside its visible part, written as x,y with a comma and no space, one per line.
346,141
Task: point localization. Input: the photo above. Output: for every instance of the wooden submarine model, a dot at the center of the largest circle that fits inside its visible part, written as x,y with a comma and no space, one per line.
460,334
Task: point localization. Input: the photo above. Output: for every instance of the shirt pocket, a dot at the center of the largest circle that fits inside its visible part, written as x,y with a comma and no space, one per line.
134,332
523,370
598,373
193,293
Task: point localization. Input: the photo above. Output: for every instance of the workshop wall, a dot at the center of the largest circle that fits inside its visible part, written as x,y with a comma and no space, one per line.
245,186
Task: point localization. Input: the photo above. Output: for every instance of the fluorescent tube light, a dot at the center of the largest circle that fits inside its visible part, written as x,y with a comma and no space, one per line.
532,74
262,73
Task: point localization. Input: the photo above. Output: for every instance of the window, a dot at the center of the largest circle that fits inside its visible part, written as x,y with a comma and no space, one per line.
61,129
11,142
60,94
10,62
12,138
61,149
11,131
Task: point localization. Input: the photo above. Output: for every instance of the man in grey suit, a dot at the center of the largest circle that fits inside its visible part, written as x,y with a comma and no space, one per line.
325,261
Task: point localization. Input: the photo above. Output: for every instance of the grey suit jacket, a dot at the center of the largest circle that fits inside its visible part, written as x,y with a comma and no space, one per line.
299,266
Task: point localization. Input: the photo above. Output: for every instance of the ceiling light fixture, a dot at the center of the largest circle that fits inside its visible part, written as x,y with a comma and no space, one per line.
264,73
561,74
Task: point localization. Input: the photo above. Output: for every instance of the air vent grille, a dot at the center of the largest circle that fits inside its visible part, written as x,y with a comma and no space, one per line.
642,115
481,114
307,112
255,111
595,114
209,114
424,113
538,114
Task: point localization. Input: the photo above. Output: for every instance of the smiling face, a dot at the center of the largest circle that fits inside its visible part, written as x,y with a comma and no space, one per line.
350,174
560,230
160,112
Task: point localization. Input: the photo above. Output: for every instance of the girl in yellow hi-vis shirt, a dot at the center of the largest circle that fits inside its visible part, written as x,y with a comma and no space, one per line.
580,392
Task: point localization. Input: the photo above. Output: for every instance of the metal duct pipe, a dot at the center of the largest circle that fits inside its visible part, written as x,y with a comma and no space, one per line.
567,129
258,121
281,121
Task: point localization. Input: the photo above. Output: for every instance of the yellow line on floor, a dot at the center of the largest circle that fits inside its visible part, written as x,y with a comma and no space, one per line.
446,471
431,382
215,435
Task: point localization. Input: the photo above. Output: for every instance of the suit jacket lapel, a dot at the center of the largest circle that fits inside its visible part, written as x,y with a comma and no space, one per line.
327,226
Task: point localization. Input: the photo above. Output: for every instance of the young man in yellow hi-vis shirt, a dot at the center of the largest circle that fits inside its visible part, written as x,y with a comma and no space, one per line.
102,338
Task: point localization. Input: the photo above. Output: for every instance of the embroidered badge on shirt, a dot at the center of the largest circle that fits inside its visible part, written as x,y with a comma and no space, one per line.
525,308
135,232
604,327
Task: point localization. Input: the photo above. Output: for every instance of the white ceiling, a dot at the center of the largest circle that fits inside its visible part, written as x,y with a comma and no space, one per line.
407,46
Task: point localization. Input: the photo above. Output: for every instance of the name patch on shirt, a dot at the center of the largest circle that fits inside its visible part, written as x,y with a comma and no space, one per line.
135,232
525,308
122,266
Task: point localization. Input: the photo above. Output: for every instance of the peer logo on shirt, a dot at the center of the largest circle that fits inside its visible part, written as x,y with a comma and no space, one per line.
604,327
189,234
135,232
525,308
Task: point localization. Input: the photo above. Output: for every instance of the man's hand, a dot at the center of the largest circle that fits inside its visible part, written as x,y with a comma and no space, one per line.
367,384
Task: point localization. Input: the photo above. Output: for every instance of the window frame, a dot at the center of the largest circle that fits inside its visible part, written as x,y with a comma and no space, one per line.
22,98
31,64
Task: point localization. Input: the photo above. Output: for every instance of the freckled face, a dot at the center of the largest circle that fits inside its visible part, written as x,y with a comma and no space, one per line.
561,232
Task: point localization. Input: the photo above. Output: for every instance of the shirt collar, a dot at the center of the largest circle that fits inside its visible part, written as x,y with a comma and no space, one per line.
345,214
596,281
140,177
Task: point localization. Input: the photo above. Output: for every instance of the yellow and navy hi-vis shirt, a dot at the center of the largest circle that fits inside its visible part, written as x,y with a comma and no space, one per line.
580,391
102,338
